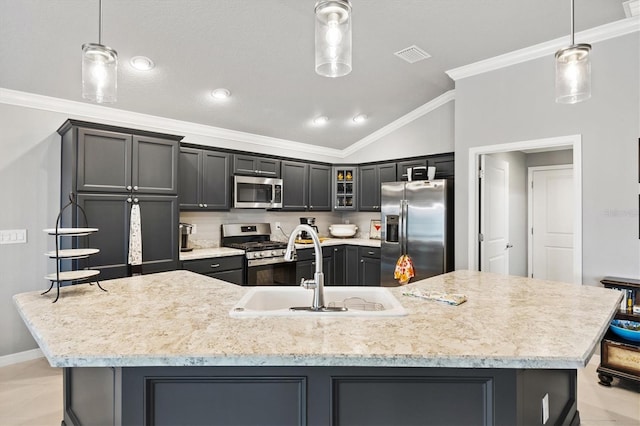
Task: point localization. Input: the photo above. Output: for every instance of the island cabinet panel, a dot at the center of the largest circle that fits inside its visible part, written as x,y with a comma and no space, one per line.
317,395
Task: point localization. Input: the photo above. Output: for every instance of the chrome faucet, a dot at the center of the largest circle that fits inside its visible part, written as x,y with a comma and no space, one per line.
317,283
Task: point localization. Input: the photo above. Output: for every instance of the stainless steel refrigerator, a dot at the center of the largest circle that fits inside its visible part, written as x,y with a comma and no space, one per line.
414,222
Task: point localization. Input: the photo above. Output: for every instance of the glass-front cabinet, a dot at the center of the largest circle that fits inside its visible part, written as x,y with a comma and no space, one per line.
344,187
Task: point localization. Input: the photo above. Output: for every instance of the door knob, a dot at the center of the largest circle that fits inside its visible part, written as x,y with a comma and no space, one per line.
509,246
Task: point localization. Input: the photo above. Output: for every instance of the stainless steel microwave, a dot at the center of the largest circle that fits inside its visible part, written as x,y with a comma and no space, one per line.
251,192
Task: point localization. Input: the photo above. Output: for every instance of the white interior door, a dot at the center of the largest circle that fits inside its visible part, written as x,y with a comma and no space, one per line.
494,215
551,207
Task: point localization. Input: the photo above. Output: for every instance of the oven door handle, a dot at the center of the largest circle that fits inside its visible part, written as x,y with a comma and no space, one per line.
267,261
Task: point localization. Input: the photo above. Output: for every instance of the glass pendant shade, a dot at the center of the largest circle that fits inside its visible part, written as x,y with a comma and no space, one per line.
573,74
333,38
99,73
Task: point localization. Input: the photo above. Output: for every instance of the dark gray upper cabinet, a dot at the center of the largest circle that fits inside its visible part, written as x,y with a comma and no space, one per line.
255,166
113,161
204,180
295,185
445,166
306,187
109,169
319,187
369,179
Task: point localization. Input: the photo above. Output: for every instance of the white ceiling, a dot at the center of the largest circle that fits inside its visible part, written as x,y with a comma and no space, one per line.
263,51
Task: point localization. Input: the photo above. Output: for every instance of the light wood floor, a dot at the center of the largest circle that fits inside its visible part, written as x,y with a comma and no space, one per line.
31,395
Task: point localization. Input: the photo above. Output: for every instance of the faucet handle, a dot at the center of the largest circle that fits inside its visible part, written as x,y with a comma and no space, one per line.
308,284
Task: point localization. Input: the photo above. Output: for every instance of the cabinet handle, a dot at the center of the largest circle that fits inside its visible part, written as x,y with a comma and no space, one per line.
310,207
335,249
135,187
200,205
128,187
371,252
361,260
135,200
129,200
205,205
215,265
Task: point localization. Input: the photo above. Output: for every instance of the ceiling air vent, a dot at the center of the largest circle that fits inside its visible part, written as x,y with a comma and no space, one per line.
412,54
631,8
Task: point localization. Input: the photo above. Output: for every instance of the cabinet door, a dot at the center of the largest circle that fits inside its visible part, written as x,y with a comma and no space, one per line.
386,173
402,166
305,269
295,185
319,187
368,191
155,165
215,184
444,165
370,271
110,214
244,165
104,161
190,181
352,266
268,167
327,268
339,268
159,222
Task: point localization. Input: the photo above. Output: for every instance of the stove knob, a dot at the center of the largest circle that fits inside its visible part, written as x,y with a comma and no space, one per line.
274,253
258,254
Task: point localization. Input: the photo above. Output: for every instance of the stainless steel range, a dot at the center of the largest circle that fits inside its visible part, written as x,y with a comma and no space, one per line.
264,259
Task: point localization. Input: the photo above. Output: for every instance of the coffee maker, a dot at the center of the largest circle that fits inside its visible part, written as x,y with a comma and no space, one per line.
311,221
185,231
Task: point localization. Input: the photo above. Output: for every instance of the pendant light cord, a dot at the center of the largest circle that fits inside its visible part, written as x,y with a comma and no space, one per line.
99,21
572,25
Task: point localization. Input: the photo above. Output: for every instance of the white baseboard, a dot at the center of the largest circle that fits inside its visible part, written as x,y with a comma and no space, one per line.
16,358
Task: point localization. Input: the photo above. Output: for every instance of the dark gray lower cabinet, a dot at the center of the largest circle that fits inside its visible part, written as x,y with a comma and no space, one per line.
317,396
369,272
110,213
306,265
345,265
228,268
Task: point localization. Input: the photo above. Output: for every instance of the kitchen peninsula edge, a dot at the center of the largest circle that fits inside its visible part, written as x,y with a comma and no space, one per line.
161,349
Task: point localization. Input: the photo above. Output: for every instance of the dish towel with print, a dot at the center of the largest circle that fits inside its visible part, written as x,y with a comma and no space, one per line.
135,236
404,269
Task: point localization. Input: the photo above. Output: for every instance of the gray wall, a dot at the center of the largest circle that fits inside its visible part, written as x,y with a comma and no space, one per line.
517,103
550,158
432,133
30,191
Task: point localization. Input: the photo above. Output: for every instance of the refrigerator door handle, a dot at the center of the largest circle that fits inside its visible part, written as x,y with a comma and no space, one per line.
403,226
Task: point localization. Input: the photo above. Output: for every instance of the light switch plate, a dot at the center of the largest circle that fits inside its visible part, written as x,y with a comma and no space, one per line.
13,236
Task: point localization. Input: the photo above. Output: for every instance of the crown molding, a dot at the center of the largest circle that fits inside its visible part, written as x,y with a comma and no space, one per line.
400,122
126,118
593,35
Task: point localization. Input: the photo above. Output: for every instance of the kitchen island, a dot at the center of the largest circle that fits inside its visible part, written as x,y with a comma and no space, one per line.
162,349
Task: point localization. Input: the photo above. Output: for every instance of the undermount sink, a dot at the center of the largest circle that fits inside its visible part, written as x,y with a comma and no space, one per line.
277,301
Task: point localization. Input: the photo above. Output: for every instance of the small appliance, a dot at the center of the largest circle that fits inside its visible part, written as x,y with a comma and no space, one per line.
252,192
311,221
185,231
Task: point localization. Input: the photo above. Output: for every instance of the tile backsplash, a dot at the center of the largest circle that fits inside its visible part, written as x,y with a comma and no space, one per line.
208,223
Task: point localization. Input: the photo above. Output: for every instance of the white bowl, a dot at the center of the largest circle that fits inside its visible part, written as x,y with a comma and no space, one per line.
343,230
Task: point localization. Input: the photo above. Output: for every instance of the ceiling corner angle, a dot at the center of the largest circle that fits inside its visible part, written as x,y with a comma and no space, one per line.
400,122
592,35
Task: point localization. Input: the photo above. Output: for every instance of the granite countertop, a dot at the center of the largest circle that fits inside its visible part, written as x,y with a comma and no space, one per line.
206,253
181,318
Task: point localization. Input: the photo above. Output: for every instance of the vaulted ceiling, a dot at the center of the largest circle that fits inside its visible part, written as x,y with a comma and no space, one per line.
263,52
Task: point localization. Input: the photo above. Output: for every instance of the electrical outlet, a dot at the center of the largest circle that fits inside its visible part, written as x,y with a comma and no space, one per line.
545,408
193,229
13,236
278,225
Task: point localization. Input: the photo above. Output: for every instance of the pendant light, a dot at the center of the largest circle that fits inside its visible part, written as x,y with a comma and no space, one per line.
573,71
99,69
333,38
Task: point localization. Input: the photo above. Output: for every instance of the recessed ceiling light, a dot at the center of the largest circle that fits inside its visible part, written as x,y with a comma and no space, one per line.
221,93
142,63
321,121
360,118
